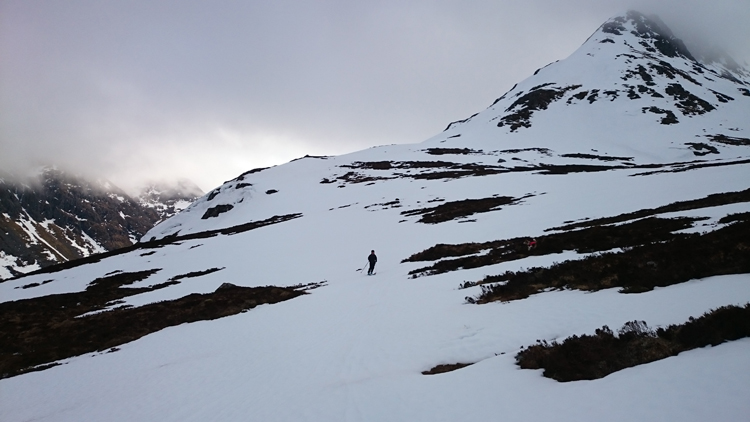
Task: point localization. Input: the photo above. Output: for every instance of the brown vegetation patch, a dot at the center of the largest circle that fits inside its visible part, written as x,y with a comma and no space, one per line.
450,170
665,69
701,149
592,239
595,356
669,117
713,200
458,171
722,97
575,168
441,369
194,274
46,329
688,102
579,168
693,167
729,140
545,151
241,177
319,157
597,157
457,209
452,151
354,177
684,257
396,203
537,98
215,211
731,218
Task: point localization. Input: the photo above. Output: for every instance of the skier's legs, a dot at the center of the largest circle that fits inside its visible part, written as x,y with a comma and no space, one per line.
372,267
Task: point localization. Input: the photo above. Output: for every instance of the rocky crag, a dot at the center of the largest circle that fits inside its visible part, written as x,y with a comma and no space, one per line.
57,217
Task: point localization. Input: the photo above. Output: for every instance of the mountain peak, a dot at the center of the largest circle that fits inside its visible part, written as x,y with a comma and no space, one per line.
652,32
632,89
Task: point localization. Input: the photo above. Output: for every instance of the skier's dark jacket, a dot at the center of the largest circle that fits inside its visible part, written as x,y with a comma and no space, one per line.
372,258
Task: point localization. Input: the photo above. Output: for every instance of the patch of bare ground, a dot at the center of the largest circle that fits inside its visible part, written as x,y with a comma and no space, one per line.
520,112
443,170
458,171
713,200
596,157
732,218
682,258
35,333
441,369
544,151
457,209
555,169
665,168
452,151
595,356
435,170
729,140
168,240
591,239
194,274
700,148
575,168
396,203
353,177
694,167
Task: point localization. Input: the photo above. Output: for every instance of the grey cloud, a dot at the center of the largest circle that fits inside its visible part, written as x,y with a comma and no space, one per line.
205,90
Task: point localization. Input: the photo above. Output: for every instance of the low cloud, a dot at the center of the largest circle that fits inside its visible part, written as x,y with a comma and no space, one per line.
142,90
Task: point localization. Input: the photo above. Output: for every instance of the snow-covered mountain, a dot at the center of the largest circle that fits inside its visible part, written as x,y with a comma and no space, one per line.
631,97
168,199
628,165
57,217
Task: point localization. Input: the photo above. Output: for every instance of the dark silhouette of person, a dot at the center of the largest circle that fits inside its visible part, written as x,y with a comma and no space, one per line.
373,259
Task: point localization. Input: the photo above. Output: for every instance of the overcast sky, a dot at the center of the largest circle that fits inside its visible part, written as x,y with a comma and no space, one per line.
134,90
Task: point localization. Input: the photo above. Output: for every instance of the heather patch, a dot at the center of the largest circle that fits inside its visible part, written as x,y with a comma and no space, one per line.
589,357
457,209
36,332
653,264
591,239
441,369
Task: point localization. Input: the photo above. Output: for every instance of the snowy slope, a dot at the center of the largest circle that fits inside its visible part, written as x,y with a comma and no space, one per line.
354,348
605,104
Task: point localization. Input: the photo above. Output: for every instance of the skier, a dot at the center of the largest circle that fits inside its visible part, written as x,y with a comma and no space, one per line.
373,259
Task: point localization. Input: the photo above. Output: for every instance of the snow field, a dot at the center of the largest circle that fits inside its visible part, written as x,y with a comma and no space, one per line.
354,349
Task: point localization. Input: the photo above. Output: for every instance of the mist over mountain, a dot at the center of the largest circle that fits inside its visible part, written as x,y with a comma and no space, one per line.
57,216
207,92
578,250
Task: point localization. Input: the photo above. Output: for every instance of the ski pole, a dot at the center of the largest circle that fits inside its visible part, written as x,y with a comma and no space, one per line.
368,262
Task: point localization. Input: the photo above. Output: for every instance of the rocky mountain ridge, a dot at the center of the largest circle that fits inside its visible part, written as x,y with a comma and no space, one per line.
59,217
